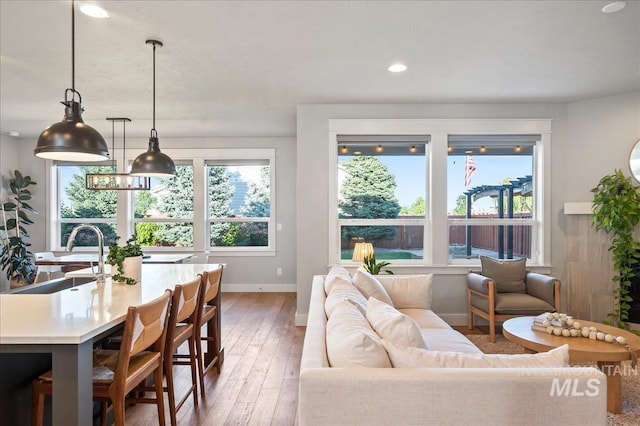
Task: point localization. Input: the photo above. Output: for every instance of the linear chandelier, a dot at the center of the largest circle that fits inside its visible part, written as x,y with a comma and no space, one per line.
71,139
117,181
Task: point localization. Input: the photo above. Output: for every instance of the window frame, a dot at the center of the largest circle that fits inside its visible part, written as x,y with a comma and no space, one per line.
125,221
133,221
487,141
436,242
256,157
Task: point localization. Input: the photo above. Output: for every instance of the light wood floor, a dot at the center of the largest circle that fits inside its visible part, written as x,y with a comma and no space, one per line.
258,384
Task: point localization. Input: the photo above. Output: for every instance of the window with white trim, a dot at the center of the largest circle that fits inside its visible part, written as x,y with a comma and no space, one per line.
221,200
381,195
74,204
163,216
519,149
239,204
491,196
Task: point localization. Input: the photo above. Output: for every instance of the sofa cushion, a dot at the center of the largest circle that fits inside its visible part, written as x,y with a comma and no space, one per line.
369,286
393,325
425,318
509,275
408,357
438,339
408,291
514,304
336,274
344,291
351,342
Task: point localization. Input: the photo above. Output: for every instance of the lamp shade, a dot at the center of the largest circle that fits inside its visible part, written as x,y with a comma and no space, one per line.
71,139
153,163
362,250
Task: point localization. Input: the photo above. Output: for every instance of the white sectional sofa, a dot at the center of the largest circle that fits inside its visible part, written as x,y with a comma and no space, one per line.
358,395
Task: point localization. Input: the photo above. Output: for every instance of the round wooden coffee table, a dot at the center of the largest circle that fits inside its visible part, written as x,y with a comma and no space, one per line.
608,356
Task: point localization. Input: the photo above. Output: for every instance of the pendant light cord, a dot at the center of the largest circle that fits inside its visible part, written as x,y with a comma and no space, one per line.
154,86
73,46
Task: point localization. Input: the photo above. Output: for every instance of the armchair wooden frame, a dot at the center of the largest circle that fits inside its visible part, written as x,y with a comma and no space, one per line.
491,315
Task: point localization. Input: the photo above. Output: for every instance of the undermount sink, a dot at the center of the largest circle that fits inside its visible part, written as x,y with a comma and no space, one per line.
52,286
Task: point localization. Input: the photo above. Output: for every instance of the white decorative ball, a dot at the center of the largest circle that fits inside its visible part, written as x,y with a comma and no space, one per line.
593,329
550,329
609,338
621,340
570,322
577,325
563,317
557,331
600,335
585,332
556,315
574,332
549,316
546,323
566,332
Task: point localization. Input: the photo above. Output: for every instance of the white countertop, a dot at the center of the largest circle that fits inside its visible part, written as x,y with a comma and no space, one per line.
80,313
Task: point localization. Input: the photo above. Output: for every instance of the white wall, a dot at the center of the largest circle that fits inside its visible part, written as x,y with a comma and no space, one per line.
600,135
255,273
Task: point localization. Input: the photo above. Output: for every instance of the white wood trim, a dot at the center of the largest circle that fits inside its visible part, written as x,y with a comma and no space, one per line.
579,208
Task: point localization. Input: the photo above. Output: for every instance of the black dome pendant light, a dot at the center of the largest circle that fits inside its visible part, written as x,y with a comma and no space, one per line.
71,139
153,163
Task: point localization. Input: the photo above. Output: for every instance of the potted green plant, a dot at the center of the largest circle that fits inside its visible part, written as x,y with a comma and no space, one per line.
125,261
373,267
616,211
16,259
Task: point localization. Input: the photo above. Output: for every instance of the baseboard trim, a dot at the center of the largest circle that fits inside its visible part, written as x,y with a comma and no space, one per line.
259,288
301,320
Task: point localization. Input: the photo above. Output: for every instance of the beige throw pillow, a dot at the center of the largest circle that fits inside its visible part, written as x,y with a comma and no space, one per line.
336,274
508,275
408,357
351,342
408,291
369,286
394,326
343,291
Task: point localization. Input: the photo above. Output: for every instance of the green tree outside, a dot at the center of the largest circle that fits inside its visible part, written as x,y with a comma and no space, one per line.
89,203
368,192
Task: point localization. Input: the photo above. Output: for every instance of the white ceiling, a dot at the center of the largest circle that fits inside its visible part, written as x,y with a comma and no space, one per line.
239,68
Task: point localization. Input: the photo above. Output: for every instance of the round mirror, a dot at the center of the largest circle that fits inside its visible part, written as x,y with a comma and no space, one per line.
634,161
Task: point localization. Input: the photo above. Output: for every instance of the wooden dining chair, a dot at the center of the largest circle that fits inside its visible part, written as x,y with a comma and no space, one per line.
181,329
117,373
208,315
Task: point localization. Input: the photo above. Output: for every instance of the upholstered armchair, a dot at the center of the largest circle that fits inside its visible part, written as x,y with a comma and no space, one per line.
505,289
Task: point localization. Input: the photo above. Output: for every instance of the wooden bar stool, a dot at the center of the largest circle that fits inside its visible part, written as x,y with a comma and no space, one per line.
117,373
183,316
209,315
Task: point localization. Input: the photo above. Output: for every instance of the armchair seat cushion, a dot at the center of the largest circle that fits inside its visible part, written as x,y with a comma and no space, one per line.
514,304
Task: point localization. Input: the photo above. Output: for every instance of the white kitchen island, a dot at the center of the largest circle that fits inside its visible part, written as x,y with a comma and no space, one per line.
66,323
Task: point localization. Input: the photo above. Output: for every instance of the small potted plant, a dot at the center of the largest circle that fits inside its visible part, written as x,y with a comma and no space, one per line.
373,267
125,261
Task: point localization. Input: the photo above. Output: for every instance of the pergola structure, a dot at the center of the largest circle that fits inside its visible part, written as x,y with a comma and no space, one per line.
521,186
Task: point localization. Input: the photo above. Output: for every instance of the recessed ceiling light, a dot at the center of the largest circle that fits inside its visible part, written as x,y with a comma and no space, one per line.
14,134
397,68
614,7
94,11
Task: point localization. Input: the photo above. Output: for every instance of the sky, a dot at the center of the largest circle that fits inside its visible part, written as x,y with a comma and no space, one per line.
490,170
